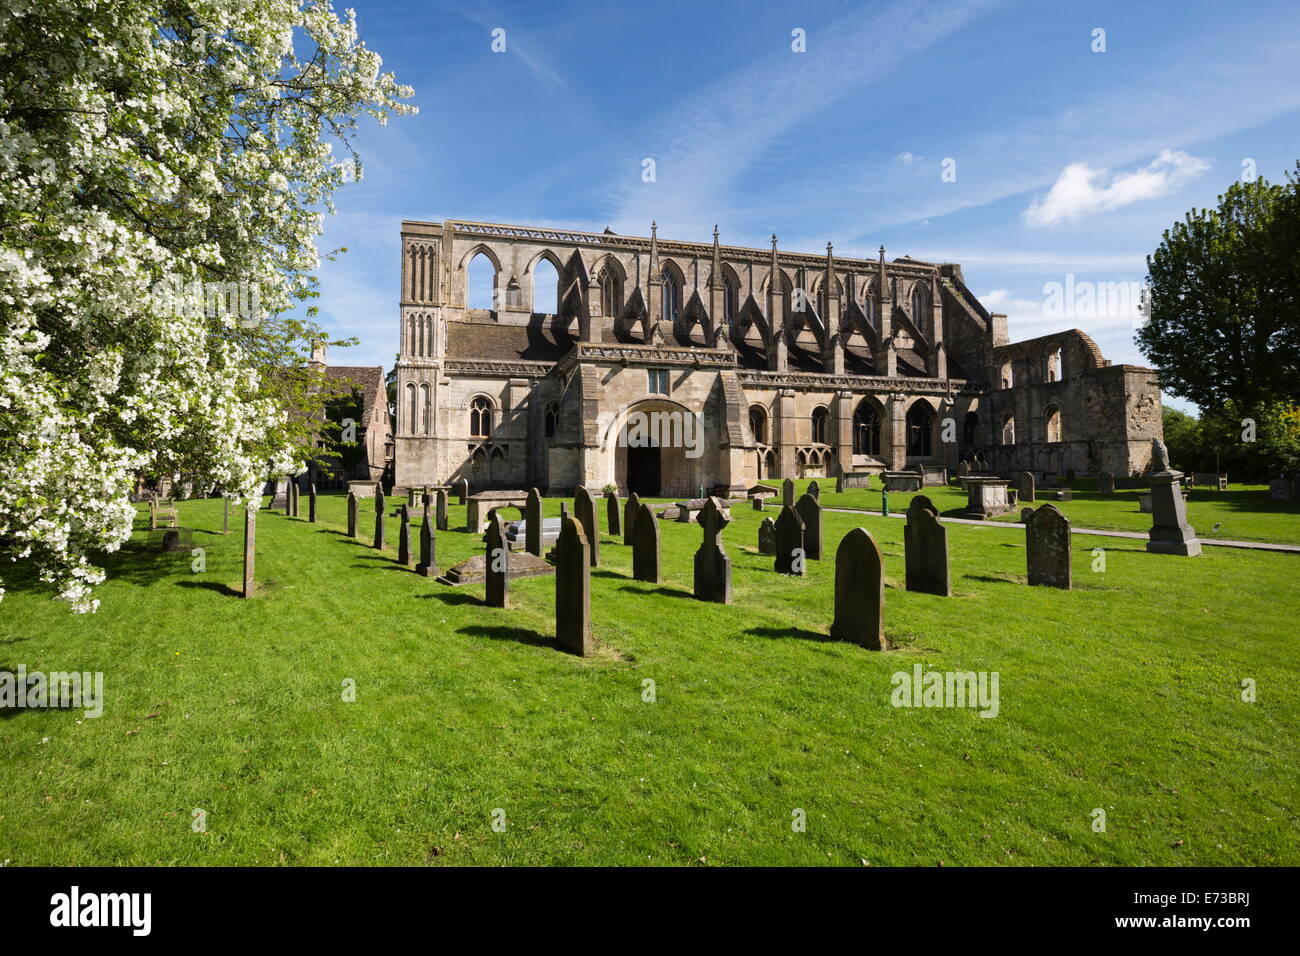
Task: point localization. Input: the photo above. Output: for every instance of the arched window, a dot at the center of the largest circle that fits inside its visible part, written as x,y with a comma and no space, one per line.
1054,366
819,417
970,430
426,410
730,299
758,423
1008,375
546,288
866,429
672,295
869,310
1008,429
552,419
480,418
412,409
611,294
921,316
920,430
481,283
1053,424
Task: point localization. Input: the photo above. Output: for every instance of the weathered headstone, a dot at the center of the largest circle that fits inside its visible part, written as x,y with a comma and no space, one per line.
573,590
787,492
925,546
311,502
410,496
533,523
1047,548
612,514
810,513
1170,533
815,490
498,562
839,484
440,510
462,490
428,565
426,499
859,591
757,502
352,514
645,547
712,566
404,537
289,486
379,520
767,537
250,542
631,511
1106,483
584,509
789,542
1026,487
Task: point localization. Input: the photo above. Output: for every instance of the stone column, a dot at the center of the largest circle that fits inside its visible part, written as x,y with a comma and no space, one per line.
897,454
844,406
786,440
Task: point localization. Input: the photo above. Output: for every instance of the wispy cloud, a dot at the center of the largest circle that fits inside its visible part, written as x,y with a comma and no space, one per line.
1082,191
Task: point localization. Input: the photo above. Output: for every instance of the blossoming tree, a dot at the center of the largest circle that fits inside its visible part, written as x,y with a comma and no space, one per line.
164,172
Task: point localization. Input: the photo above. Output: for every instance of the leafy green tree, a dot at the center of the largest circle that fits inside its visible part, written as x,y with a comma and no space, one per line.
1223,306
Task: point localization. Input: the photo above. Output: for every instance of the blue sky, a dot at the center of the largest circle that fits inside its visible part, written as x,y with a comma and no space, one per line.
1067,161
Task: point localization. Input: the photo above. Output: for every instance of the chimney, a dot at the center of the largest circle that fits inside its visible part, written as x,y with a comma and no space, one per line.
318,352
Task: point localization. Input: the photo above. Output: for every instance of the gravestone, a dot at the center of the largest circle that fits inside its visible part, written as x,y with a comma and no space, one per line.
584,509
1106,483
428,565
497,558
645,547
1144,504
810,513
789,542
573,590
410,496
250,540
379,520
757,503
787,492
462,490
533,523
712,566
631,511
925,547
839,484
1047,548
404,537
426,499
815,490
767,537
1026,486
1170,533
288,497
352,514
612,514
311,502
297,497
440,510
859,591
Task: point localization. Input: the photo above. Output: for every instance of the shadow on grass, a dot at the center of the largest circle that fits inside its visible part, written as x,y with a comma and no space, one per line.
450,597
666,591
992,580
519,635
783,633
211,586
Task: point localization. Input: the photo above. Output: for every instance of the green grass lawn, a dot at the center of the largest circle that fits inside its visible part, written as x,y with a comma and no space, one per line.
1123,694
1243,512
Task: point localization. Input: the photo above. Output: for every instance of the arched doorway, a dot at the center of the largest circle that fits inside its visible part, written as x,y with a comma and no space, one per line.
660,450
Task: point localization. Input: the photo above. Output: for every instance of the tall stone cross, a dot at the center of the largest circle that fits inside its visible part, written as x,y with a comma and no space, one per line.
712,566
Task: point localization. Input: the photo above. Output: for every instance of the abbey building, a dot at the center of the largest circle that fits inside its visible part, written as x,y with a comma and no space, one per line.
791,364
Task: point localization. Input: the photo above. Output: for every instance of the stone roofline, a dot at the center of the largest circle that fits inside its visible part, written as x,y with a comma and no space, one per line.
902,266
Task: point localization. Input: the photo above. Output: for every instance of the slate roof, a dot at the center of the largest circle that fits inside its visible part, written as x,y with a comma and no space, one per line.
369,379
535,342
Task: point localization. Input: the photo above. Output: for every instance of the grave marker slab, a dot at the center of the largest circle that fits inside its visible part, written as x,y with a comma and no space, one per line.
533,523
462,490
404,538
1047,548
573,590
859,591
1106,483
428,565
440,510
352,514
612,514
497,558
925,545
789,542
311,502
631,511
1026,487
379,520
767,537
787,492
810,513
584,509
645,547
815,490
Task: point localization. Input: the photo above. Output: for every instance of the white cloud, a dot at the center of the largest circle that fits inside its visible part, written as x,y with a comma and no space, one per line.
1081,190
